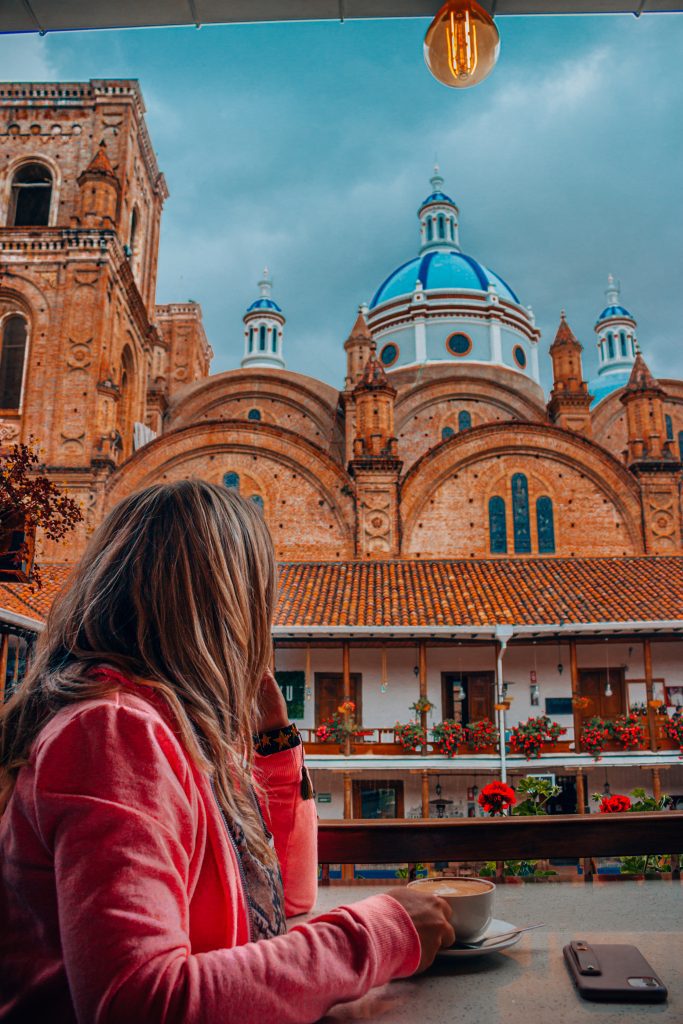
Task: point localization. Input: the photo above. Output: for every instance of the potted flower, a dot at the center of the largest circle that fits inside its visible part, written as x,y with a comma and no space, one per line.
628,730
581,703
448,736
340,726
422,706
411,736
615,803
496,797
530,737
594,736
482,736
672,728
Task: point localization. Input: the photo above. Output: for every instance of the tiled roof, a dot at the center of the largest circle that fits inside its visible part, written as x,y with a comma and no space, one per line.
463,592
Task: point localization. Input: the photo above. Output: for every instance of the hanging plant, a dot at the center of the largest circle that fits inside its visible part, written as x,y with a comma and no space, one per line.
448,736
673,729
529,737
482,735
410,735
594,736
581,703
422,706
628,730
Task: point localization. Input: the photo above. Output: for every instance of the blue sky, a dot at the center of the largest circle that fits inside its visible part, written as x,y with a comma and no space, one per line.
309,146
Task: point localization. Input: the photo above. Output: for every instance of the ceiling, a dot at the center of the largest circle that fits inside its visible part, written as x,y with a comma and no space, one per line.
68,15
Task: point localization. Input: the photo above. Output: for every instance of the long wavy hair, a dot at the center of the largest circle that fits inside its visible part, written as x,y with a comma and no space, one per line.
176,590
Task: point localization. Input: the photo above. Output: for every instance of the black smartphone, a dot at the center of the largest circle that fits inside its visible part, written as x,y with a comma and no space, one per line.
613,974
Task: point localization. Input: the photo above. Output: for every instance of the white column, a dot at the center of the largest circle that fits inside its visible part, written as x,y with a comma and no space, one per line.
420,341
496,341
534,362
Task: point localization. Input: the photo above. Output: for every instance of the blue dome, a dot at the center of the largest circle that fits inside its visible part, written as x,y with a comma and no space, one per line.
264,304
438,197
443,270
610,311
601,387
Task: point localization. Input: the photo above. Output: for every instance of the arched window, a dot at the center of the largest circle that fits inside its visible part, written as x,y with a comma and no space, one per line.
545,526
430,229
442,226
31,195
633,346
520,514
126,399
258,500
446,433
231,480
680,445
602,351
669,428
622,342
262,338
452,228
251,339
12,361
274,340
254,414
133,229
464,420
610,344
498,541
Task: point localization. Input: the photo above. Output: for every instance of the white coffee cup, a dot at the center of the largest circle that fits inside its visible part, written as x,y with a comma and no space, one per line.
470,900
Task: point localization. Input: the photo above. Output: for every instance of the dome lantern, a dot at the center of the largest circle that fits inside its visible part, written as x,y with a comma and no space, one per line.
438,218
263,328
617,343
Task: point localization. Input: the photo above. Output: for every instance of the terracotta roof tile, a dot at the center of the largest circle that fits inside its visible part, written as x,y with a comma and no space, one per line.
461,592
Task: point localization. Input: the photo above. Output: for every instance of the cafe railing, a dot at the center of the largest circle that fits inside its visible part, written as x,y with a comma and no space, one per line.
500,839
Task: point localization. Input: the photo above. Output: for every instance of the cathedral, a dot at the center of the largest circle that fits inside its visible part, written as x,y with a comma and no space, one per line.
434,500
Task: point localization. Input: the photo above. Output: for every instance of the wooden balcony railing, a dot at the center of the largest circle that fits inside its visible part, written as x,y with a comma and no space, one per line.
499,839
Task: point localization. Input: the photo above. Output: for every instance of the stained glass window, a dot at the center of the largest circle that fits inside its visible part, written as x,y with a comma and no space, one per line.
520,514
545,526
231,480
498,541
464,420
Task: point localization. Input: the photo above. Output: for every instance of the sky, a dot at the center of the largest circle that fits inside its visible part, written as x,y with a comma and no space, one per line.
309,146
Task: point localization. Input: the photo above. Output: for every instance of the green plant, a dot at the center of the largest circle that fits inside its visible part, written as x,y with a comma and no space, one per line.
528,737
516,869
405,872
673,728
594,736
448,736
642,802
481,735
629,731
537,792
410,735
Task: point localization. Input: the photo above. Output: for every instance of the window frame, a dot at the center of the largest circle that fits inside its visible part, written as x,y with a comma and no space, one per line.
459,334
16,411
394,360
11,207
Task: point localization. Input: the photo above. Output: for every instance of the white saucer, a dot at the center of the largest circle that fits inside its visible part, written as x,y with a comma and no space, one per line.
495,928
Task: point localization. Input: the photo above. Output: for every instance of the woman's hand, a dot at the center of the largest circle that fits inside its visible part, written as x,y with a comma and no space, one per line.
272,705
432,919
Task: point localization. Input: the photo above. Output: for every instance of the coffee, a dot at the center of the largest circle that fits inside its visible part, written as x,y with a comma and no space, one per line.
453,886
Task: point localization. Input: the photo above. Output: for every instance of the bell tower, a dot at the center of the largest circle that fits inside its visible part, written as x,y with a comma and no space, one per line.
375,464
100,191
569,405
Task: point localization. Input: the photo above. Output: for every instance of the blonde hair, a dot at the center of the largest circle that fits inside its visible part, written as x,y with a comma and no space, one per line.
176,589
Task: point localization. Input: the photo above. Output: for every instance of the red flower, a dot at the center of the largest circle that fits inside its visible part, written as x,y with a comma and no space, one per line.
614,804
495,797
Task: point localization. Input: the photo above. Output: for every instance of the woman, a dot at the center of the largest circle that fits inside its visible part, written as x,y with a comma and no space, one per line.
149,838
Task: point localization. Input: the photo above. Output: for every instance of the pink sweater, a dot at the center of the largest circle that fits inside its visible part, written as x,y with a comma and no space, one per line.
121,898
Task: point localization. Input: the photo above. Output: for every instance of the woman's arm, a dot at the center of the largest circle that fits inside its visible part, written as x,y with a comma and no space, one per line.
115,805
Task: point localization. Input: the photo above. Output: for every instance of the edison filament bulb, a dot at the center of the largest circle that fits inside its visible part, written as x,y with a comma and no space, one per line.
462,44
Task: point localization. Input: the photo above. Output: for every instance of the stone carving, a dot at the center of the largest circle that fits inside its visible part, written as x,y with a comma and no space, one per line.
376,521
72,444
79,356
661,516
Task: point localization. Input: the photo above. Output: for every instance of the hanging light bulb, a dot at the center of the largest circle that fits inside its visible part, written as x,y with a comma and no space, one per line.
608,688
462,44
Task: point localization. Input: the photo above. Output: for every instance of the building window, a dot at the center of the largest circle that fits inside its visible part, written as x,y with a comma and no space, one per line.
133,229
633,346
274,340
12,362
464,420
680,445
254,414
231,481
251,339
452,229
258,500
622,342
430,229
610,344
30,197
446,433
498,540
669,428
545,526
519,356
520,514
442,226
262,338
389,354
459,344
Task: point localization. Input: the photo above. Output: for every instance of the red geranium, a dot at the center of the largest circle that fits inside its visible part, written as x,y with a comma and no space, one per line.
614,804
495,797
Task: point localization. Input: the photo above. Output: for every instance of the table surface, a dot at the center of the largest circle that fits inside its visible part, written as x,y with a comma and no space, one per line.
528,982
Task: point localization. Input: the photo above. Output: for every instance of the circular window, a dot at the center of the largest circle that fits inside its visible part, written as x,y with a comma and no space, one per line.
519,356
254,414
459,344
389,354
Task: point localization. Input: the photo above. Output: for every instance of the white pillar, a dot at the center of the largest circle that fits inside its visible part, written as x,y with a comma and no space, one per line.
496,341
534,362
420,341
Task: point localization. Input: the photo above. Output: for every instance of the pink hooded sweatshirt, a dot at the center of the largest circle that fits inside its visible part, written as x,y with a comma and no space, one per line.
121,897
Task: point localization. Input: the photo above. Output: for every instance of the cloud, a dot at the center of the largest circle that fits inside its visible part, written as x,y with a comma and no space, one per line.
24,58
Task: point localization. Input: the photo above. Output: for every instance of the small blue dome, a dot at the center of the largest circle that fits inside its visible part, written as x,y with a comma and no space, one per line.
264,304
438,197
443,270
610,311
601,387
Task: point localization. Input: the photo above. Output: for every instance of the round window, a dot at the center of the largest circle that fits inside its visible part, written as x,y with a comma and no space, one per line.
519,356
389,354
254,414
459,344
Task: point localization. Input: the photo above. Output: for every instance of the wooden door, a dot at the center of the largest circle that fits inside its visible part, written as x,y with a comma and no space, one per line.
329,693
479,696
378,798
593,683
